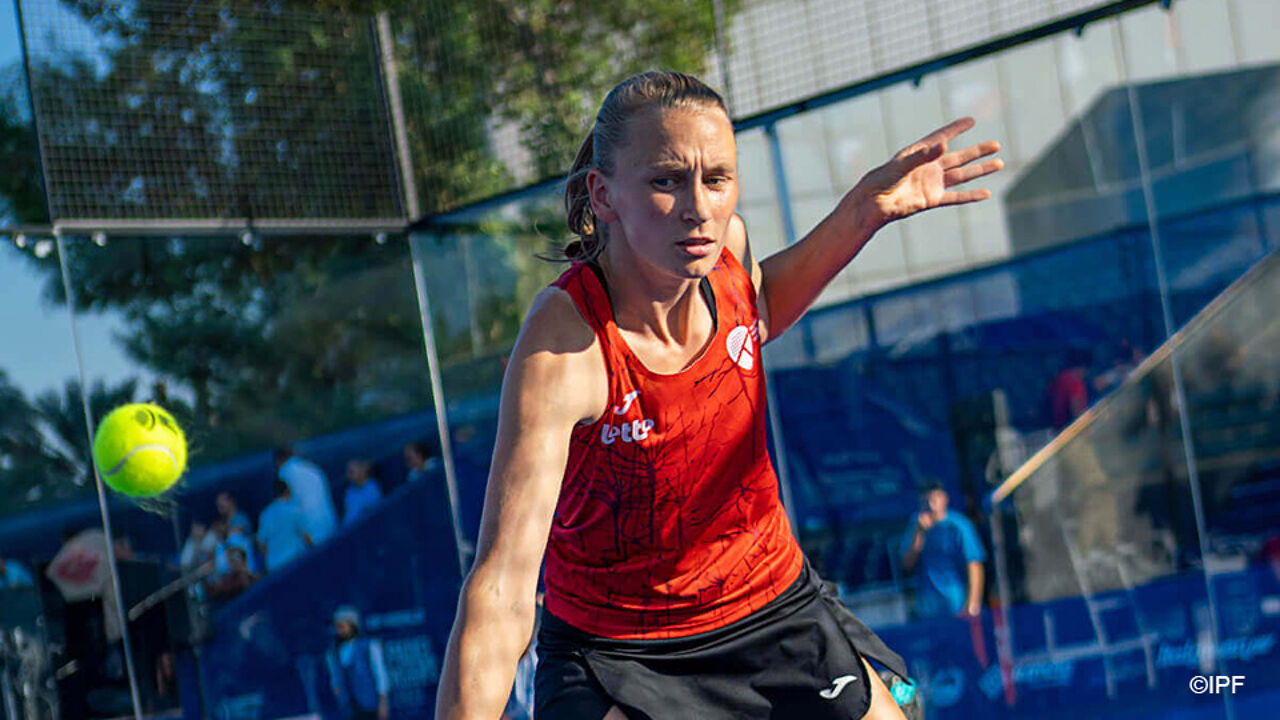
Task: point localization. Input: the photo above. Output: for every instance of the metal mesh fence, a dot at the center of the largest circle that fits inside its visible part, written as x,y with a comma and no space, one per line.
782,52
159,110
165,110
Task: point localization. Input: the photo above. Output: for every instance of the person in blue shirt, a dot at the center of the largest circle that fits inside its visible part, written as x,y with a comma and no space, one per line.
420,461
13,575
946,554
356,669
362,493
282,529
231,537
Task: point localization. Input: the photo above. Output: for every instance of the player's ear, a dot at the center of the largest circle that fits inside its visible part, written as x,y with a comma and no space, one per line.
601,201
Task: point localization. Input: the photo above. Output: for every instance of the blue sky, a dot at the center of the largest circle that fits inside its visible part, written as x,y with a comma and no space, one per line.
37,349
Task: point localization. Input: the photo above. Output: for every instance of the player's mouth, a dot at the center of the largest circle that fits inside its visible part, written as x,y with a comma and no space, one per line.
697,246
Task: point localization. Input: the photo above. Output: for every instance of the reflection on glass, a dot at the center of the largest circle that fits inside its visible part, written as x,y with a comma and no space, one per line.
295,366
52,612
481,273
1103,522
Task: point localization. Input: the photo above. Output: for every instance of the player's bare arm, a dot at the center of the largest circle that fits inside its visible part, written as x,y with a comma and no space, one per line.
920,177
555,379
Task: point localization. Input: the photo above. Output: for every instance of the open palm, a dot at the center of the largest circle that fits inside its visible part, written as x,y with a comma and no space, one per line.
922,175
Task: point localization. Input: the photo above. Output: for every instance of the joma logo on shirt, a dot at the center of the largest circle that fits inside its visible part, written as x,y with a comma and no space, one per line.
633,431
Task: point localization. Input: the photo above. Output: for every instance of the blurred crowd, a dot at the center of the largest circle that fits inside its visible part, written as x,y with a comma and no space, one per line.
234,551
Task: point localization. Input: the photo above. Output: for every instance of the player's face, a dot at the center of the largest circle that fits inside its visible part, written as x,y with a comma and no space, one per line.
345,629
673,190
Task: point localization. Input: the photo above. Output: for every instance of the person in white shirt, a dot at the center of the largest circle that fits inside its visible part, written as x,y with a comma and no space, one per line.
310,489
197,548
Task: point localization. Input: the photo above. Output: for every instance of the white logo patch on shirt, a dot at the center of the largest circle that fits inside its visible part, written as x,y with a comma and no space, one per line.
741,344
633,431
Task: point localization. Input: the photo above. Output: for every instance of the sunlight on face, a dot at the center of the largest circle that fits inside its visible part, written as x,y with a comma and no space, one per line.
673,190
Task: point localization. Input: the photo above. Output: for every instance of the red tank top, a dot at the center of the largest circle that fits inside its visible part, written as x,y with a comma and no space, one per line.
669,522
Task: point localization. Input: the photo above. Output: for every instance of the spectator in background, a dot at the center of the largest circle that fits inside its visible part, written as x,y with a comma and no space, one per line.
229,539
944,551
1068,391
235,517
356,670
195,551
282,529
238,577
362,492
13,575
310,489
421,462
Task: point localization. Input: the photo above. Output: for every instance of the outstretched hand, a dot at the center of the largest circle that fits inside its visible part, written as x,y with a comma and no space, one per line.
921,177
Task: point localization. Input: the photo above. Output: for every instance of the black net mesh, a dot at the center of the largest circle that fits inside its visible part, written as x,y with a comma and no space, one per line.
162,110
153,110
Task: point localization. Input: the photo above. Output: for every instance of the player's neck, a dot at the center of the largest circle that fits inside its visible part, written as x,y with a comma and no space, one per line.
650,303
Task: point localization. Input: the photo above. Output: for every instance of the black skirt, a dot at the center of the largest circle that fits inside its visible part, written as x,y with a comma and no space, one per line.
797,657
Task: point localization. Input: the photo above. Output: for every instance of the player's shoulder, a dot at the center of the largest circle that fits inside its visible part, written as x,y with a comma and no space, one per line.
961,521
555,323
557,360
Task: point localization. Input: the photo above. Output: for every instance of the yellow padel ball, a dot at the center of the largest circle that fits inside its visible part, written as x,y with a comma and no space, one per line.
140,450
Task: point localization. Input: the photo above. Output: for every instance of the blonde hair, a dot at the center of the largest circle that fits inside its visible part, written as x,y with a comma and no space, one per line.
664,89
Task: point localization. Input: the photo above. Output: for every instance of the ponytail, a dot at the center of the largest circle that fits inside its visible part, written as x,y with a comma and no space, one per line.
581,219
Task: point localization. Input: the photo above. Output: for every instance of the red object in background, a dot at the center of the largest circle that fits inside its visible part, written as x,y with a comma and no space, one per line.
1271,554
80,568
1068,397
978,639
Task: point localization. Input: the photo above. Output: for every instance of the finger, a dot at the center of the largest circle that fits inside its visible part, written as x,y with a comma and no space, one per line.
947,132
959,175
969,154
917,155
962,197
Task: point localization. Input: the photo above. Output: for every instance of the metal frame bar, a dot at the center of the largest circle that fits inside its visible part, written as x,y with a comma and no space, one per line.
220,226
391,87
117,592
437,398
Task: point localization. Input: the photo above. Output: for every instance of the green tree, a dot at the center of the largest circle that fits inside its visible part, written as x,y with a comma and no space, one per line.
21,191
45,455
